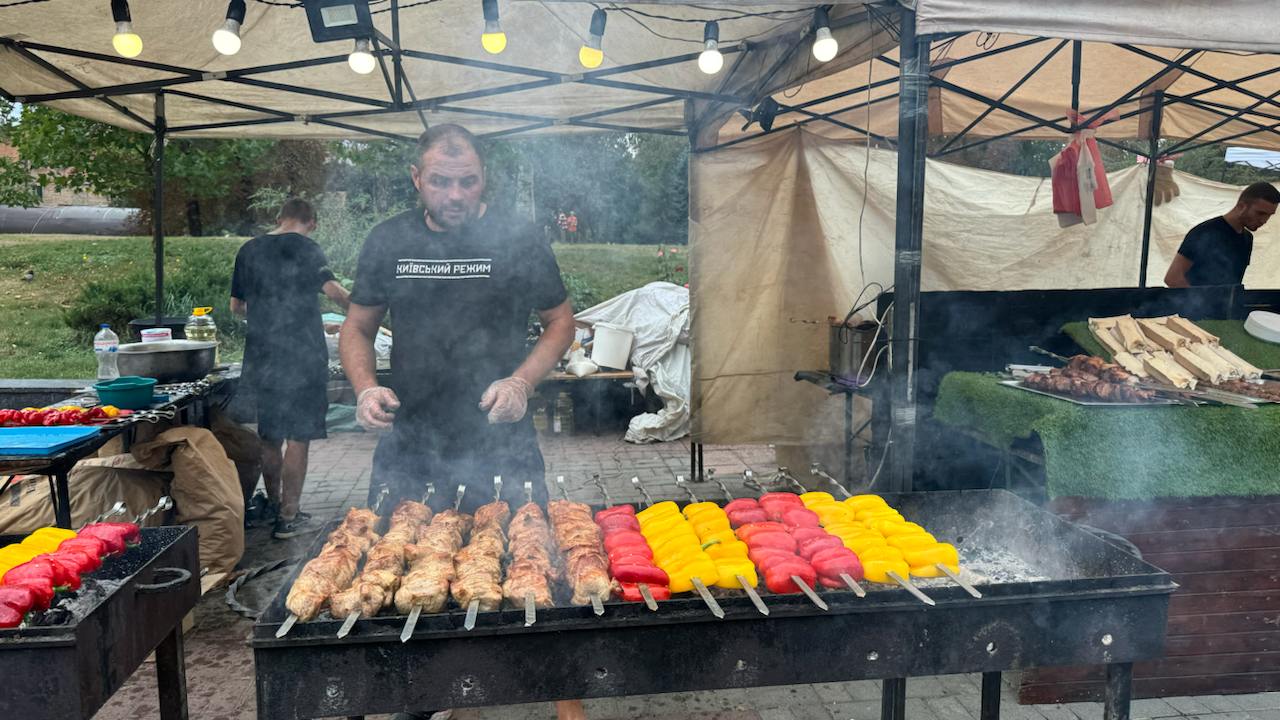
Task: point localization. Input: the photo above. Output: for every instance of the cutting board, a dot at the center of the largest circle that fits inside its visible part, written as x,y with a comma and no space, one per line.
39,441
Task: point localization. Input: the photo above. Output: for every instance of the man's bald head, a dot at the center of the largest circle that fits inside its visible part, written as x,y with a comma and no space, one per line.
449,175
448,139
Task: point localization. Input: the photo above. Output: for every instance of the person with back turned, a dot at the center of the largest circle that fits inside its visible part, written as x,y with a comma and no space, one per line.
276,284
1218,251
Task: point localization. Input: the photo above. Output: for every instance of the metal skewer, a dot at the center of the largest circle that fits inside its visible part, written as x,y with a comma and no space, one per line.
472,609
809,593
163,504
431,490
528,491
410,624
711,475
560,484
348,623
648,499
816,470
755,597
383,492
287,625
906,584
853,585
457,501
749,480
530,610
680,483
497,487
597,605
955,577
785,474
118,509
595,478
712,605
645,593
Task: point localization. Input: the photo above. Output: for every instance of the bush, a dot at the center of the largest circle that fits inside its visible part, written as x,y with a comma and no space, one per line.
121,299
582,292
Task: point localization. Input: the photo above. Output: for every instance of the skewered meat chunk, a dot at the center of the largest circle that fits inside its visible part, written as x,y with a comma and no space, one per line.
579,540
334,567
494,513
531,571
478,566
430,560
384,566
1086,377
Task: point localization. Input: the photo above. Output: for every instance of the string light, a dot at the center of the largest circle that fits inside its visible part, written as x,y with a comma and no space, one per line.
125,41
226,39
493,39
710,60
591,54
825,47
361,58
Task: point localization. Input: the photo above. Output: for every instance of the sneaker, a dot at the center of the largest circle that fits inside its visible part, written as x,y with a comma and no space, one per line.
286,529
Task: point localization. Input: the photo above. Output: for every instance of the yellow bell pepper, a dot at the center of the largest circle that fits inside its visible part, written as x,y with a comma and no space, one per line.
810,498
861,543
841,529
724,550
866,502
730,568
667,543
55,532
41,544
911,541
868,516
724,536
700,507
663,526
703,568
11,556
889,528
657,510
881,552
938,553
877,571
111,411
711,525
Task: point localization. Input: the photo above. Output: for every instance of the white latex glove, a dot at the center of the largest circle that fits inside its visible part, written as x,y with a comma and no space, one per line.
376,408
507,400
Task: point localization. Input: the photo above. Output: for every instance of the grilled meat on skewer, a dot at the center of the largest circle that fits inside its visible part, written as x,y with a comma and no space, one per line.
384,566
478,566
334,567
1091,378
581,549
426,584
531,571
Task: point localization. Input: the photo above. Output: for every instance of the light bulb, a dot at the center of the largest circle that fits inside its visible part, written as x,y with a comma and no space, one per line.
361,58
710,60
226,39
590,57
825,47
126,41
493,39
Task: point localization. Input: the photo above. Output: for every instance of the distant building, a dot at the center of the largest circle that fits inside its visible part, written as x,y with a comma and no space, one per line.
51,196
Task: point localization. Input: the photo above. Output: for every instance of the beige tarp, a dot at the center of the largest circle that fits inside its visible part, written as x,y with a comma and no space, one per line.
1108,73
775,252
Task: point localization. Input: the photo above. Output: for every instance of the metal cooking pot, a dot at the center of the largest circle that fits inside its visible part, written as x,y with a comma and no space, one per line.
167,361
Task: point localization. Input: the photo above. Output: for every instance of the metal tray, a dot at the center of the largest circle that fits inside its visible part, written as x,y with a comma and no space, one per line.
1090,403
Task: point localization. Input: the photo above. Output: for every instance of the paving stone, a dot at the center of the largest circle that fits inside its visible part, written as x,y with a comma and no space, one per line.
1151,708
865,710
1056,712
1219,703
1258,701
1086,710
1189,705
946,708
832,692
864,690
784,696
775,714
925,687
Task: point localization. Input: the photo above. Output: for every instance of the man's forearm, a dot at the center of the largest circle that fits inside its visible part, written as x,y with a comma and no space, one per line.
355,349
556,339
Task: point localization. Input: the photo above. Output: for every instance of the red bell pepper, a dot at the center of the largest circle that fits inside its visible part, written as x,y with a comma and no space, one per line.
831,563
804,533
10,617
801,517
42,569
129,532
747,516
615,511
70,570
779,540
84,562
42,590
18,597
630,551
778,578
90,546
760,555
114,542
647,574
615,523
624,538
813,545
741,504
630,592
745,532
792,498
770,562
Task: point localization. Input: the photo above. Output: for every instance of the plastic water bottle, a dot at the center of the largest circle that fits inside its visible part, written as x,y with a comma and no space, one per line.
105,345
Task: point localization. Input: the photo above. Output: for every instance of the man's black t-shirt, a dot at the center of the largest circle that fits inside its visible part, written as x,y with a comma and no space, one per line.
280,277
1219,255
460,305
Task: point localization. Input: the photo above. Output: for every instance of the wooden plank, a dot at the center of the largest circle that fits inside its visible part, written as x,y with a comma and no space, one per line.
1262,536
1186,666
1210,560
1216,603
1228,581
1192,645
1126,518
1256,621
1054,692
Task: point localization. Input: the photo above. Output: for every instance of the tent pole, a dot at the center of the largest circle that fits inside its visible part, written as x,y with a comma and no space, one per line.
1077,51
157,205
1157,115
913,132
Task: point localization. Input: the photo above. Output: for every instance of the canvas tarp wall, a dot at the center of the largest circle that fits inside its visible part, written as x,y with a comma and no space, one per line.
775,253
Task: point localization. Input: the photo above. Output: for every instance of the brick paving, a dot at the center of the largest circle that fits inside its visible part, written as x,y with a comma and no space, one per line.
220,676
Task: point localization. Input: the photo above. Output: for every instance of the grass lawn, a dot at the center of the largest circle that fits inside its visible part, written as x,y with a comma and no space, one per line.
36,343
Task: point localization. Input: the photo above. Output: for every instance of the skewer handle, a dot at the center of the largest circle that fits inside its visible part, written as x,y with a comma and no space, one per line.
604,492
497,487
809,593
287,625
597,605
528,491
955,577
649,602
473,608
680,482
457,501
117,509
382,495
906,584
530,608
711,475
816,470
410,624
560,484
431,490
853,585
648,499
753,595
347,624
712,605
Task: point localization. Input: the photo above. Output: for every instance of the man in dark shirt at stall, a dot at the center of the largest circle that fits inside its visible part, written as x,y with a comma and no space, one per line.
1217,251
277,281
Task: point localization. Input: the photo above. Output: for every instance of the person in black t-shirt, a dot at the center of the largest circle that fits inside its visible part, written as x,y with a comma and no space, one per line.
460,281
276,283
1217,251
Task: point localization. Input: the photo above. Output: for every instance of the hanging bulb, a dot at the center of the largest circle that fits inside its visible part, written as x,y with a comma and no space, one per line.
226,39
493,39
126,42
825,47
591,54
710,60
361,58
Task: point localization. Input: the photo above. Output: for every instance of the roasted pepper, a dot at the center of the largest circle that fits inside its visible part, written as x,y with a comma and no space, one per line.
911,541
929,557
831,563
616,540
866,502
615,510
709,525
41,543
614,523
741,504
807,548
732,549
657,510
877,571
700,507
54,532
778,578
646,574
630,592
703,568
747,516
891,527
779,540
810,498
729,570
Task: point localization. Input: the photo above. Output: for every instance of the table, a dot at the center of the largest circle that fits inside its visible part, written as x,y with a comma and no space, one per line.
189,404
586,392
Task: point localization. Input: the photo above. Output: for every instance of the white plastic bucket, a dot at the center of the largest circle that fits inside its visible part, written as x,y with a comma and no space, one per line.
156,335
612,346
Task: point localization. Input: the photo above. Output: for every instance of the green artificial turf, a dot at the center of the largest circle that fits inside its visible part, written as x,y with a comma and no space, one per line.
1124,453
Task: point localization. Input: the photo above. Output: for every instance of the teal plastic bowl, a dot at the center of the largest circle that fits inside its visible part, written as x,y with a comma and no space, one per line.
128,392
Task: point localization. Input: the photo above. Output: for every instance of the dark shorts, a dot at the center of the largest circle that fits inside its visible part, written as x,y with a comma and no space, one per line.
292,413
405,467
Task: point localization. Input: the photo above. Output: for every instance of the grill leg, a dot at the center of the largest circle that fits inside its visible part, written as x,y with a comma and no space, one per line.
701,474
171,676
62,508
893,699
1119,691
990,708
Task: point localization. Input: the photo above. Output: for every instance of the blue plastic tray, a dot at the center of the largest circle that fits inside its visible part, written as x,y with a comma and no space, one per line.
38,441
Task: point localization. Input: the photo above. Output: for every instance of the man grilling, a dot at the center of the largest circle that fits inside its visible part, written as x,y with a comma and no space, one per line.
460,281
1218,251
